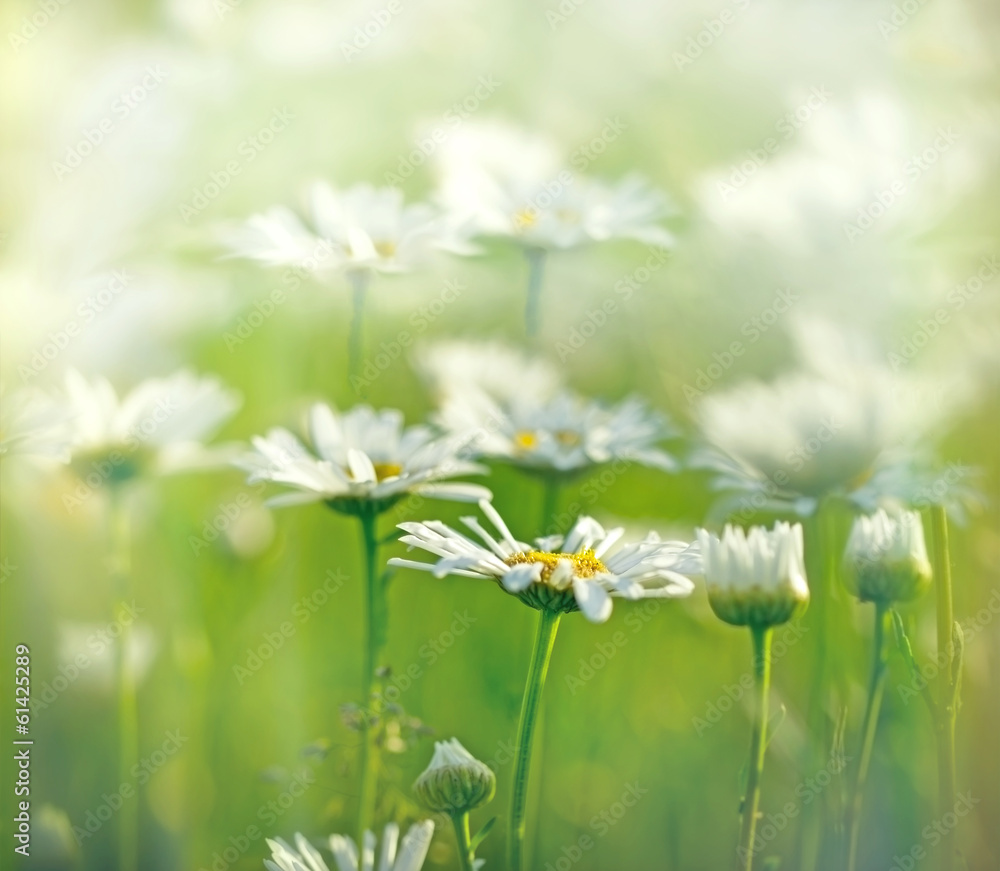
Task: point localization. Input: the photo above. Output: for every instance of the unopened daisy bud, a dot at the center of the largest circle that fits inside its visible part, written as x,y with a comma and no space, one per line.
755,578
455,782
886,558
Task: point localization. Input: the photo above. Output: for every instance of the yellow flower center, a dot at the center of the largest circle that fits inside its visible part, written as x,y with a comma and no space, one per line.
385,248
567,438
585,564
525,218
526,440
387,470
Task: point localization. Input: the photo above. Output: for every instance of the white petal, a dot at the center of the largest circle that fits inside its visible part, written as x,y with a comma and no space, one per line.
593,599
521,576
362,470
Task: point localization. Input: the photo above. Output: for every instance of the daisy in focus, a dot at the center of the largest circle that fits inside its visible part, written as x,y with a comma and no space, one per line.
500,182
160,426
517,411
361,460
558,574
394,855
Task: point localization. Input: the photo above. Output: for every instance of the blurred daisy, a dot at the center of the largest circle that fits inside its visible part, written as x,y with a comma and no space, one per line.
824,430
755,578
525,417
32,424
559,574
497,181
359,231
394,855
364,458
160,425
886,557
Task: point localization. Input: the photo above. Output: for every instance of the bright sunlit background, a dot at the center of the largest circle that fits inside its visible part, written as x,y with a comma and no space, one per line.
827,160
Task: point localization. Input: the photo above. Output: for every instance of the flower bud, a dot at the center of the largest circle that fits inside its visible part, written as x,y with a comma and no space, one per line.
455,781
886,558
755,579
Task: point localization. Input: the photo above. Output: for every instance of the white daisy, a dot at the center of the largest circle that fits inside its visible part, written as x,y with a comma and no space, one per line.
886,557
756,578
361,229
394,855
523,415
161,424
33,424
825,429
559,573
501,182
364,457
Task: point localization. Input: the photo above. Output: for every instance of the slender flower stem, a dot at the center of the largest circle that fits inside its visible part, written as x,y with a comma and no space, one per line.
876,688
465,855
536,273
541,654
128,717
947,701
758,745
359,279
374,611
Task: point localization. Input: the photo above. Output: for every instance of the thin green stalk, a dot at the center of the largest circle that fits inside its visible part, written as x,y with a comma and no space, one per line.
758,746
541,654
536,273
947,696
128,716
465,855
373,632
359,279
876,688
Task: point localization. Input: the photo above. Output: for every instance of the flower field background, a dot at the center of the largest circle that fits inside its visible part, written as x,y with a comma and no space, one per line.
812,301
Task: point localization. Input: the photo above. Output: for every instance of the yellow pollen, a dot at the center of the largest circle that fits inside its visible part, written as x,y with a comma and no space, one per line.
526,440
585,565
387,470
567,438
525,218
385,248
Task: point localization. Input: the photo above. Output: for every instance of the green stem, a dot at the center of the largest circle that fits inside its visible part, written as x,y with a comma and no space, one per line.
359,280
946,707
465,855
373,632
541,654
876,688
761,637
536,272
128,717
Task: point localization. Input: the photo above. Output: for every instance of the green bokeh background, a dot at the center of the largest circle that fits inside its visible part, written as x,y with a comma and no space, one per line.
634,720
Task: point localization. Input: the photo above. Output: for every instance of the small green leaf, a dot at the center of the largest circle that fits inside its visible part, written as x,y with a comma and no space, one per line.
480,836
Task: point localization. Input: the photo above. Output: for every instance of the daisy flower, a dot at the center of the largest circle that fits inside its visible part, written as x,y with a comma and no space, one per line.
886,557
394,855
756,578
160,425
559,574
525,416
497,181
362,459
